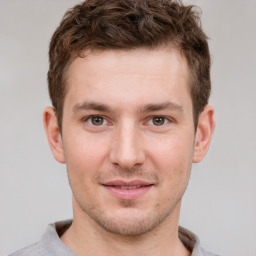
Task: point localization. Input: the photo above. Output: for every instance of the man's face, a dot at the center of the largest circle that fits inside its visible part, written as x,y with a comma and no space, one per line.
128,137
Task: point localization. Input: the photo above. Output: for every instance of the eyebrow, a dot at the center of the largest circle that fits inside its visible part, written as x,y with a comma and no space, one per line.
91,106
162,106
145,109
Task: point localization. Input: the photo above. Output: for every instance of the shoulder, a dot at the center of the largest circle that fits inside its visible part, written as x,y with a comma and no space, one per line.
50,243
192,243
35,249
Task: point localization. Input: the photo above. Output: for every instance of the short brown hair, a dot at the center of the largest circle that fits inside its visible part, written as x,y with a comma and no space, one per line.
129,24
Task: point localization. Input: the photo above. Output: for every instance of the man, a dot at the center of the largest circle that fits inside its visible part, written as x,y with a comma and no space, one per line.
129,82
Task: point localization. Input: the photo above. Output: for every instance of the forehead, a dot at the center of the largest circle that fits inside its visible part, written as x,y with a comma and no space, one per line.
159,60
139,71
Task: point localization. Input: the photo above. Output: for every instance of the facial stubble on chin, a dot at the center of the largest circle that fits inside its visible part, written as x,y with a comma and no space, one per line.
133,228
125,226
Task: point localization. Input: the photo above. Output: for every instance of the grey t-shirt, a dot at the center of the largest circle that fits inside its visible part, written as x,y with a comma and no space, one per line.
51,245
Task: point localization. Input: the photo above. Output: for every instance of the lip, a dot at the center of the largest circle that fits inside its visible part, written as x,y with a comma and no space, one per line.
127,190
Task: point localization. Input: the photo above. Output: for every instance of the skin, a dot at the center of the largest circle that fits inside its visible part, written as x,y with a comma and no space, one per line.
128,119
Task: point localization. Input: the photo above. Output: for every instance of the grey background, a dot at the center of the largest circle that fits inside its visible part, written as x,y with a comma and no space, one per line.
220,204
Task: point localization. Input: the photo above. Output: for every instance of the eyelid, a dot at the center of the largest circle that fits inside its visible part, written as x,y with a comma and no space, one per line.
88,119
167,120
149,120
164,118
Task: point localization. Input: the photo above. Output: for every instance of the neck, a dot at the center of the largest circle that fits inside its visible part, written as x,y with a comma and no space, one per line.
85,235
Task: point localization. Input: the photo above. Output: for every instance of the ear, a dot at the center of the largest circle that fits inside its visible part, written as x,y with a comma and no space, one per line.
204,133
53,134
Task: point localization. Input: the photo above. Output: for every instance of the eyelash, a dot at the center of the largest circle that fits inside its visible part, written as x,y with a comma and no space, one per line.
150,121
166,120
89,120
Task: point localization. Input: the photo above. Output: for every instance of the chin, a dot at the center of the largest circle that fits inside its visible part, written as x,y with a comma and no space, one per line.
129,222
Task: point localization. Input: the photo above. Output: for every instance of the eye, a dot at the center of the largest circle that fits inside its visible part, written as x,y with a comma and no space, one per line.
96,120
158,120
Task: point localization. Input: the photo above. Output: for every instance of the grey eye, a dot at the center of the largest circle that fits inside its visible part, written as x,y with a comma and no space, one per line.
158,120
97,120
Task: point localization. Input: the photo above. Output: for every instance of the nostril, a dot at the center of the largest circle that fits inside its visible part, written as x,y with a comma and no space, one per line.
126,149
127,161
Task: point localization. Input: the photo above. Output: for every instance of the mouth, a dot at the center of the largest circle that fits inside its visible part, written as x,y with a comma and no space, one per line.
127,190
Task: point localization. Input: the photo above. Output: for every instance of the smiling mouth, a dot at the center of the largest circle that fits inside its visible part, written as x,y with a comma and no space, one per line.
128,191
127,187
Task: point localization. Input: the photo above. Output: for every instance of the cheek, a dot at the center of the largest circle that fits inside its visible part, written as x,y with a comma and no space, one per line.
84,154
172,155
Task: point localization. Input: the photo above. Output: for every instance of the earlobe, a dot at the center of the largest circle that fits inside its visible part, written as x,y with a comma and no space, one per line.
204,133
53,134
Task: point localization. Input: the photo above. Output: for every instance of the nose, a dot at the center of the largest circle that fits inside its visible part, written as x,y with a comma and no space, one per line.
127,147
